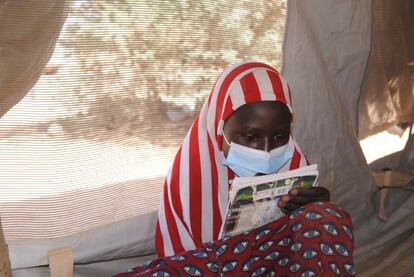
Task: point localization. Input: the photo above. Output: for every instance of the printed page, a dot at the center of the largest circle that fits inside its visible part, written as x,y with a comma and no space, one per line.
253,200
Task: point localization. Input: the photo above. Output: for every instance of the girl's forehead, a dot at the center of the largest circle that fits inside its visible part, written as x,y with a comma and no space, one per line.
262,108
265,114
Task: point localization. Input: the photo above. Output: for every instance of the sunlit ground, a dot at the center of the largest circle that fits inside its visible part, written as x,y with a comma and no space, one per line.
383,144
47,166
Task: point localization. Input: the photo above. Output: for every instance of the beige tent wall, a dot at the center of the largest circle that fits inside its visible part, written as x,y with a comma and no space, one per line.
315,67
387,93
340,31
325,100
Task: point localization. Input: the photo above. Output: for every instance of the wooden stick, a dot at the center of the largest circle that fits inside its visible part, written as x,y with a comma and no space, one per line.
61,262
383,195
381,214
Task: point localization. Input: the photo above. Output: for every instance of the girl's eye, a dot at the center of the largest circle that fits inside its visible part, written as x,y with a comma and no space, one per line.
249,137
279,137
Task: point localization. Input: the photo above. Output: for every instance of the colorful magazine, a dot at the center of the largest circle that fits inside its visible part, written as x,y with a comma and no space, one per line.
253,200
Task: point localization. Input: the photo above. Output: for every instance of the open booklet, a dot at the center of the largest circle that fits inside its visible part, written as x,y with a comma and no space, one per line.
253,200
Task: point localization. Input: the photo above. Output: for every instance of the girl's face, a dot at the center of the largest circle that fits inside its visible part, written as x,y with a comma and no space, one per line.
260,125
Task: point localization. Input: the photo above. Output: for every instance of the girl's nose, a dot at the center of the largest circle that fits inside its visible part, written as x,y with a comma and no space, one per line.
267,145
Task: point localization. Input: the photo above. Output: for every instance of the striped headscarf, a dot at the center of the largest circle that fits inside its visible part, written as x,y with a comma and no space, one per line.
195,195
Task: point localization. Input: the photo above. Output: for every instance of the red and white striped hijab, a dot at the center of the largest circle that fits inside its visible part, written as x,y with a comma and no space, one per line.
196,188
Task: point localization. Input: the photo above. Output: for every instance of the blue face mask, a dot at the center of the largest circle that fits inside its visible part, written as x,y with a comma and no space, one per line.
246,161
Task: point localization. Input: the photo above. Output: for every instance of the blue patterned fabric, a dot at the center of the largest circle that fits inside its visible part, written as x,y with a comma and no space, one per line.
315,240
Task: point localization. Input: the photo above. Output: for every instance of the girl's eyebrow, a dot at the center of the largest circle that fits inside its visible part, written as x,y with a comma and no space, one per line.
255,129
249,128
282,129
257,126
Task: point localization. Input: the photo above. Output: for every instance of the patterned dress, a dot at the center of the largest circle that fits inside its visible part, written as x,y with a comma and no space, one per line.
315,240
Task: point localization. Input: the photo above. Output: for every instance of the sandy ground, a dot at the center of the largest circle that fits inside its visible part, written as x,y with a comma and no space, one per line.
46,166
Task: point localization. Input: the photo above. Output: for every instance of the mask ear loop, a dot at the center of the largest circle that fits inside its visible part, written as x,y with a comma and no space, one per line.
224,136
221,132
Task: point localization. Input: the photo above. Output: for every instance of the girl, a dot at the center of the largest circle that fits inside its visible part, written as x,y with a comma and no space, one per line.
244,129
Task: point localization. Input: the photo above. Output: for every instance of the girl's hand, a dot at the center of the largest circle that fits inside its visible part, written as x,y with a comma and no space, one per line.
298,197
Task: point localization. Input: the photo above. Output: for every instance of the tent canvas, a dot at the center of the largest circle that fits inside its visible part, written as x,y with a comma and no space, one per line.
341,60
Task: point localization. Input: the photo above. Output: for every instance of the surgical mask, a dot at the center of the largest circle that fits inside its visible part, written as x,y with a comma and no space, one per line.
246,161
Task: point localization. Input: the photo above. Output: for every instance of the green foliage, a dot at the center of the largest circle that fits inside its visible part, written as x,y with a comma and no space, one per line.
154,54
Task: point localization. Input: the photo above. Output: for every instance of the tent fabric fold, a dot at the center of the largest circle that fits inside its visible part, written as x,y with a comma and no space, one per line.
387,93
28,33
326,86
